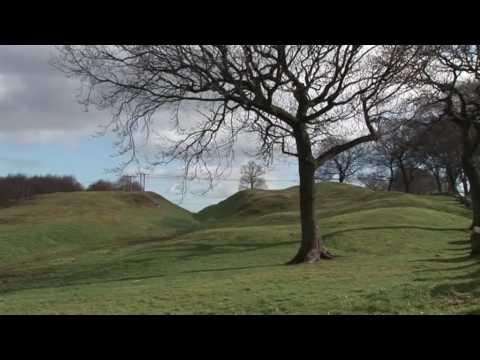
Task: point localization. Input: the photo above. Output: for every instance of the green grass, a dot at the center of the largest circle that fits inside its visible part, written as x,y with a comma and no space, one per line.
99,253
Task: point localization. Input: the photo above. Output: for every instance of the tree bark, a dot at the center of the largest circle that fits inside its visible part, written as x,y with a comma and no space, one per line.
473,175
452,188
312,247
436,175
390,180
465,186
406,180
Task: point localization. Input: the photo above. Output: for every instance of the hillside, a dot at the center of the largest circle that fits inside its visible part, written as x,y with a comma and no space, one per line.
80,220
125,253
332,199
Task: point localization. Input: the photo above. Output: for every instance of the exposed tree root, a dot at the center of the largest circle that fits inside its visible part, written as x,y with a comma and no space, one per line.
311,256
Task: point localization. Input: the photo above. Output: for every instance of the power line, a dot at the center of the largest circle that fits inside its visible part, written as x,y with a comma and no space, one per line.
153,177
144,176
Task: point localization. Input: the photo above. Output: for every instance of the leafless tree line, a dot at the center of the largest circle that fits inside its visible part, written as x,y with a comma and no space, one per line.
124,183
422,156
17,187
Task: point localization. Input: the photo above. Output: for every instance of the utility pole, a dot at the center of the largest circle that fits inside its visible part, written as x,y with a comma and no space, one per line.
142,180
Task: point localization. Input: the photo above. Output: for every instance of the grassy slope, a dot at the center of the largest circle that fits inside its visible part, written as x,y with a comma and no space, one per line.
397,253
70,222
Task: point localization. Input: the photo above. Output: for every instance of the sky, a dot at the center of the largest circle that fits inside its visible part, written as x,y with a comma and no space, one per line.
44,130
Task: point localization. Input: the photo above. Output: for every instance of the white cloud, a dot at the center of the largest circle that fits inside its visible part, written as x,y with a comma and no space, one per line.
38,104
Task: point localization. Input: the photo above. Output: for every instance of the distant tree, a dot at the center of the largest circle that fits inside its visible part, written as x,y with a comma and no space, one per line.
374,181
449,87
345,165
52,183
126,183
400,160
383,164
288,95
14,188
465,185
252,177
102,185
391,155
421,181
17,187
404,145
438,150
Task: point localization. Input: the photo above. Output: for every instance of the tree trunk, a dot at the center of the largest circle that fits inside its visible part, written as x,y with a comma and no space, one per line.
465,186
452,188
406,180
436,174
473,175
312,248
390,180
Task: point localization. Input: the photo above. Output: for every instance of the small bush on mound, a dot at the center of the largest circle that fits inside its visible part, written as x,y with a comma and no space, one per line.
123,184
102,185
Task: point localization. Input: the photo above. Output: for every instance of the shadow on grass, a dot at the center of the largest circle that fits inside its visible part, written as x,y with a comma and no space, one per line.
394,227
465,249
231,268
67,275
192,250
460,281
450,260
55,277
466,283
459,242
203,249
60,282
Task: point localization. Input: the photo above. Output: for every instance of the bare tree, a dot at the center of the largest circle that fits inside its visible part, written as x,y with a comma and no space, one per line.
416,145
420,181
290,96
127,183
374,180
450,89
124,183
438,149
390,157
252,177
17,187
383,161
345,165
101,185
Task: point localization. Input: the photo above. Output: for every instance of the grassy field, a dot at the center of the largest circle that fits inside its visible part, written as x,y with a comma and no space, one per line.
121,253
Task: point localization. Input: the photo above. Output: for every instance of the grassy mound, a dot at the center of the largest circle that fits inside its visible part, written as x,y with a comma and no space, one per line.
54,223
332,199
396,253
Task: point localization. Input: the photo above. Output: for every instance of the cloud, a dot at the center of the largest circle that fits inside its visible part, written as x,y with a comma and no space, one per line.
37,102
39,105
